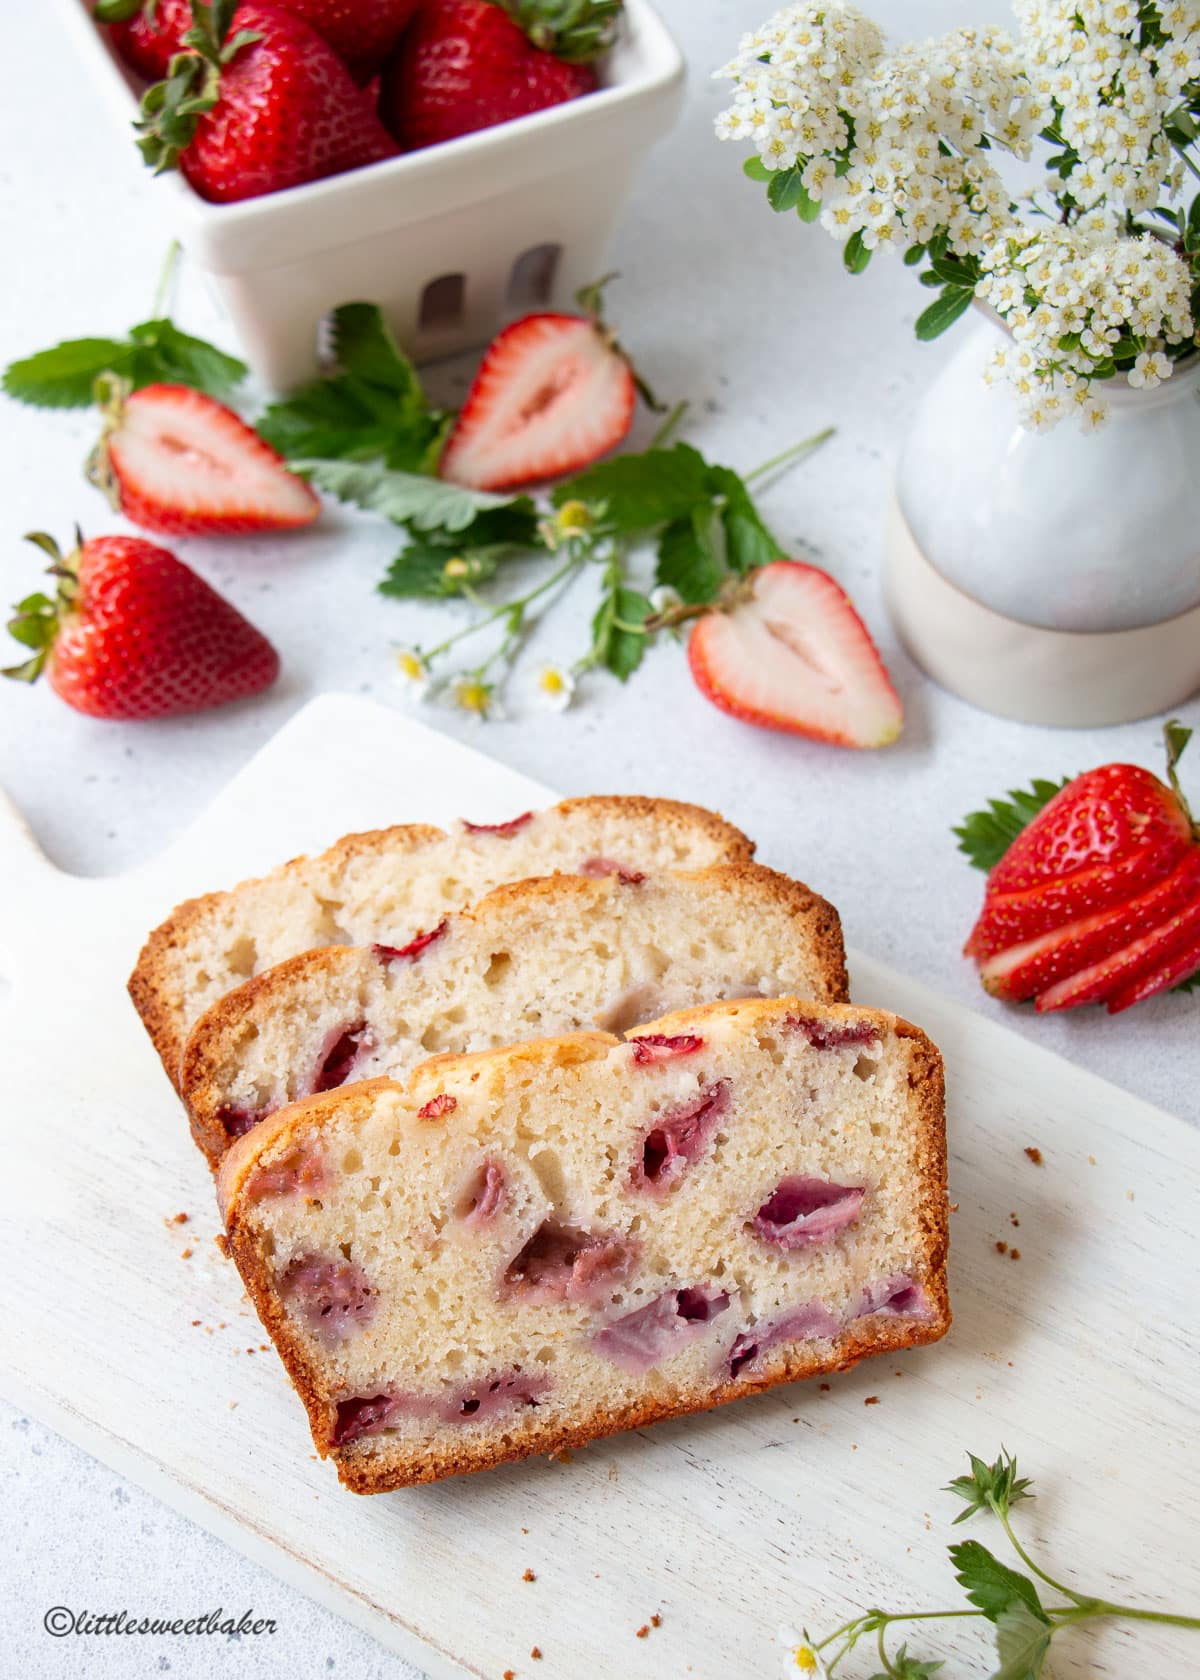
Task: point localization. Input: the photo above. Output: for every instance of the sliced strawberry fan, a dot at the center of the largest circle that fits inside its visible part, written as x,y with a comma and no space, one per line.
1096,897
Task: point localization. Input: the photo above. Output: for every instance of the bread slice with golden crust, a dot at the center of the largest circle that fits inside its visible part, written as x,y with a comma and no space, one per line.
390,883
532,958
526,1249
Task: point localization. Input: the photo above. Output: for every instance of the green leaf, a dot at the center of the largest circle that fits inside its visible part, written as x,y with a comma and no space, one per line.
419,571
372,409
626,647
155,352
856,254
63,376
904,1667
756,170
943,312
691,555
1022,1641
989,1584
428,504
748,542
985,836
167,354
914,255
785,189
641,492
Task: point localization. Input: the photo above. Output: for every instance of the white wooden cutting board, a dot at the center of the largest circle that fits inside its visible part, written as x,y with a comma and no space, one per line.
793,1507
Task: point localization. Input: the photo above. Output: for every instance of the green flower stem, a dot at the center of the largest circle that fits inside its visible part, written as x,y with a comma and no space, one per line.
1028,1561
787,456
570,566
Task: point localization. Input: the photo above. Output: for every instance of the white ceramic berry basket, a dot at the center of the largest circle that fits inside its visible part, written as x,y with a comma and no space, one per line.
451,241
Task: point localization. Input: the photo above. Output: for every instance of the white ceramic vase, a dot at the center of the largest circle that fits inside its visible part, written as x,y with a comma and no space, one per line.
1051,577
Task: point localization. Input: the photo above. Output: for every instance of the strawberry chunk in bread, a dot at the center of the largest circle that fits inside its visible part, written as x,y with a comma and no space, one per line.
506,1258
532,958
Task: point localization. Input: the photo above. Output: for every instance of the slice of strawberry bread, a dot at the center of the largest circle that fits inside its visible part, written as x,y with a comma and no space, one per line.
531,1247
533,958
388,884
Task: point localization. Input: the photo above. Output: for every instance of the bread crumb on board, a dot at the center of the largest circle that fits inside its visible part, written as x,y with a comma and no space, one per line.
1034,1154
871,1400
536,1653
529,1576
176,1219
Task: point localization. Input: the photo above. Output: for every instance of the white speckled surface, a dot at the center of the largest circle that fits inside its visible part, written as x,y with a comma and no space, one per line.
751,318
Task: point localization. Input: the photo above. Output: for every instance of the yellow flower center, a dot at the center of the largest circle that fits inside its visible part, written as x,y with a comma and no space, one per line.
806,1659
457,568
410,666
552,682
473,697
573,516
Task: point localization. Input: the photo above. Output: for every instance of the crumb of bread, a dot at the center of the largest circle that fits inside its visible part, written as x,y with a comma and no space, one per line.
643,1632
656,1620
825,1387
536,1653
176,1219
1001,1248
1034,1154
529,1576
1013,1220
185,1254
1014,1254
871,1400
509,1674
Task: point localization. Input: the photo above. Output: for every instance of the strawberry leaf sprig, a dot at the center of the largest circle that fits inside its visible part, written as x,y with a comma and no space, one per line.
1022,1625
153,352
701,518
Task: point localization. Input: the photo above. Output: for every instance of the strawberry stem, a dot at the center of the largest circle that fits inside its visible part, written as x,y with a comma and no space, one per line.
788,457
668,427
1177,735
163,296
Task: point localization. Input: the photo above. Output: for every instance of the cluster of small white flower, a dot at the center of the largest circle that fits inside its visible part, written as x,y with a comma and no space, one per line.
897,148
1068,297
1114,89
890,143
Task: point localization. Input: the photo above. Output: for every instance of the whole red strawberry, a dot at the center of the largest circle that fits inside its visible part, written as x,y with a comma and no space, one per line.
361,32
146,33
1097,899
133,633
178,462
464,65
266,104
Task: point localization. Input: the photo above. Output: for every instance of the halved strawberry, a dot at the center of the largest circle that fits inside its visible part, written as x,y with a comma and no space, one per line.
178,462
553,394
791,653
1030,967
1154,953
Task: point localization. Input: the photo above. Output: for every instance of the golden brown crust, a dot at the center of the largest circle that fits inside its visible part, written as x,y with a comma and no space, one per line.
373,1466
154,985
216,1036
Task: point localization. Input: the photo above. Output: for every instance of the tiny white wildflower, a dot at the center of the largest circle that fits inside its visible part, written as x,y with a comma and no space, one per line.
471,694
413,673
555,687
800,1656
